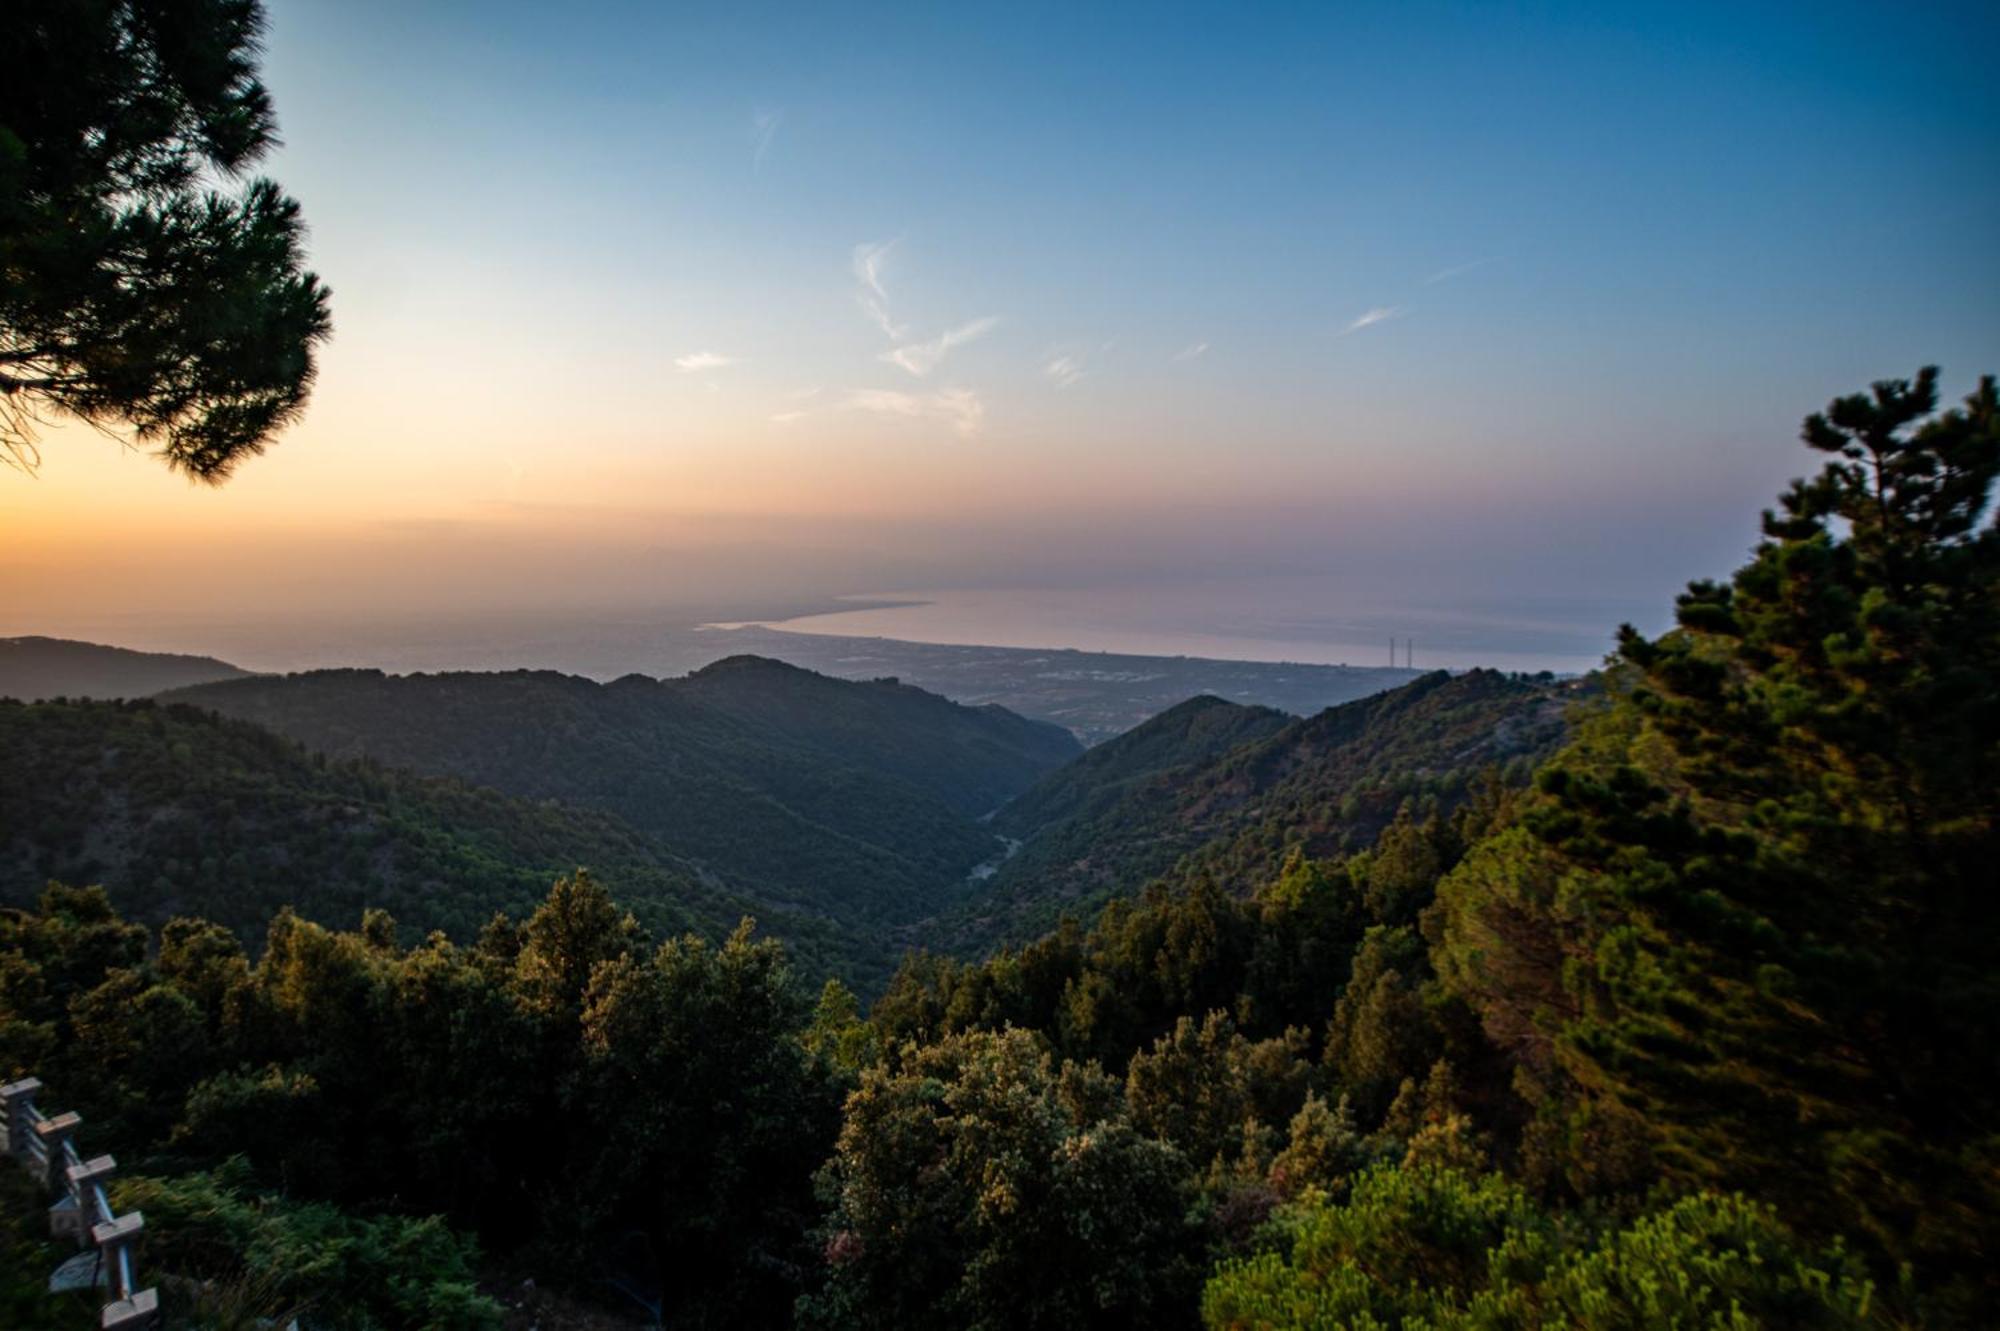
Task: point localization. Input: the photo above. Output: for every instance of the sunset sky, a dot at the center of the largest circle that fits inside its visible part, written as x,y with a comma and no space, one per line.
646,306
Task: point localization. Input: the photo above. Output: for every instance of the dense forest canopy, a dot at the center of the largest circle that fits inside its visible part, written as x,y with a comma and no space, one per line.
1685,1027
856,800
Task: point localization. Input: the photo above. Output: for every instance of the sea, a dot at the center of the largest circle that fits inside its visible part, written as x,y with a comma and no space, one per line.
1274,621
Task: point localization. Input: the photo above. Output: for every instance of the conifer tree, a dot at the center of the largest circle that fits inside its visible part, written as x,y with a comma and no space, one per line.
145,283
1751,920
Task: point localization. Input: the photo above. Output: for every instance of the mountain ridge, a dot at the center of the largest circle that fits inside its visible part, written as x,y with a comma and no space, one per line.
758,771
35,667
1324,785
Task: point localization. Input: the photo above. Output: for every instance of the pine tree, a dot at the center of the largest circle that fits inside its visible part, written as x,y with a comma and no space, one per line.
144,282
1751,919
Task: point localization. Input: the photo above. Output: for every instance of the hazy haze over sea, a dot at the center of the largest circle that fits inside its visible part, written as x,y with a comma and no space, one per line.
1317,620
1276,619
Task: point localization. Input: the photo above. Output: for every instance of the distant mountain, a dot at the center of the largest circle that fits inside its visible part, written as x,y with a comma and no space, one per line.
1213,787
178,811
35,668
856,801
1097,695
1151,756
975,758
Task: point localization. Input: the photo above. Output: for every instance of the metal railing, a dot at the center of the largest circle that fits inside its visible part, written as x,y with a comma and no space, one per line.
46,1148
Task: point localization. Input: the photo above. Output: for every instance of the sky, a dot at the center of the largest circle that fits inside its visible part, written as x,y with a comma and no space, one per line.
641,308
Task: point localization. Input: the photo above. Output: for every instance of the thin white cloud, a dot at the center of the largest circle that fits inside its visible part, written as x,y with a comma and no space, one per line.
1380,314
920,358
1189,353
763,131
1459,270
786,417
695,362
868,263
958,407
1065,370
1066,363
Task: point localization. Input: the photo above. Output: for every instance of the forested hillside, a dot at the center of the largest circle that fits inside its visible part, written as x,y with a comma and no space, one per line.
35,668
1211,788
856,801
1178,739
181,812
1693,1029
974,758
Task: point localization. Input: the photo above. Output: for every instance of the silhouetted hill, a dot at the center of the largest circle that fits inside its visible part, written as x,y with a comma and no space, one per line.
976,758
1212,787
858,801
1195,732
35,668
178,811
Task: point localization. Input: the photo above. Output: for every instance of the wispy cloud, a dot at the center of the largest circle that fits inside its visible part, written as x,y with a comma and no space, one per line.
920,358
763,132
958,407
695,362
1458,270
1068,363
1065,370
1189,353
786,417
869,262
1368,318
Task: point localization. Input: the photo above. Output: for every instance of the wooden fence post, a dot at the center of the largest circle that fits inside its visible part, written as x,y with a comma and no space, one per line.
55,1134
82,1212
46,1148
129,1308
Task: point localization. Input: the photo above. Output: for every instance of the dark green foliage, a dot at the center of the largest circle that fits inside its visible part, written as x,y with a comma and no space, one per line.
1432,1247
973,758
308,1260
143,282
858,801
978,1185
1212,789
1745,938
1202,1084
1276,961
564,1090
180,812
1178,739
1380,1029
27,1255
710,1118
